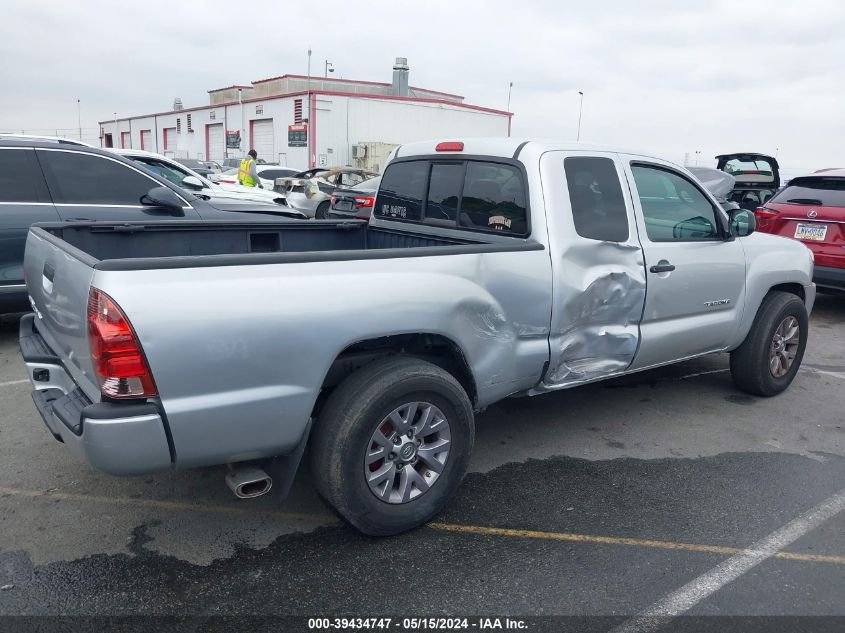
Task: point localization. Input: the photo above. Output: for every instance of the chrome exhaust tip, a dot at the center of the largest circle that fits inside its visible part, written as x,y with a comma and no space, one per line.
248,482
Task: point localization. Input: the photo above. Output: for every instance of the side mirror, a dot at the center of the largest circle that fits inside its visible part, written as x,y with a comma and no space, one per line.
192,182
742,222
165,199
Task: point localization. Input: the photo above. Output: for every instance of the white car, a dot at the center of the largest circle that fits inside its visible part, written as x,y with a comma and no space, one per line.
188,179
267,174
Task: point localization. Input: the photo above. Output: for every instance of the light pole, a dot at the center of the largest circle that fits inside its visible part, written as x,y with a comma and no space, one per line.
697,152
116,132
79,116
309,72
329,68
580,112
510,87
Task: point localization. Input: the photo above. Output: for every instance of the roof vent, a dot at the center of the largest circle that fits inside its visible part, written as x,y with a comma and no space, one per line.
177,103
400,77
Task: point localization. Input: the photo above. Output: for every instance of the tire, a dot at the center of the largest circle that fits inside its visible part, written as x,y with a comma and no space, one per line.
322,211
751,362
343,443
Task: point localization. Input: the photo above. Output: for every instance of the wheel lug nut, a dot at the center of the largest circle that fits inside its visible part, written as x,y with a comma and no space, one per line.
391,456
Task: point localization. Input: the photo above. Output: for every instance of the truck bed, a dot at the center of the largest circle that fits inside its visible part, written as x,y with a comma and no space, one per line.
129,246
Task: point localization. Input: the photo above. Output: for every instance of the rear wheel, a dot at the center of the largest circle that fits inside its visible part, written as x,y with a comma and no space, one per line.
392,444
767,361
322,211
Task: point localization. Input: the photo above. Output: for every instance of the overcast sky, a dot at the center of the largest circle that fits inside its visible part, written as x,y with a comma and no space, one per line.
661,75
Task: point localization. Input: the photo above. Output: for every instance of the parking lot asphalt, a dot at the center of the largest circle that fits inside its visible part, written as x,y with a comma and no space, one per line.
601,500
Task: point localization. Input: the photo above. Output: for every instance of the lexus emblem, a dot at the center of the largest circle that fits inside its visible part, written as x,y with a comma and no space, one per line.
812,213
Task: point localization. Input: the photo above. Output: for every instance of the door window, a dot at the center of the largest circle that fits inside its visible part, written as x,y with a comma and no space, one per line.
674,209
598,206
77,178
20,178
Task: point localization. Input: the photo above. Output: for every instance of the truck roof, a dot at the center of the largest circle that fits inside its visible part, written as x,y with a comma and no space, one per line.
508,147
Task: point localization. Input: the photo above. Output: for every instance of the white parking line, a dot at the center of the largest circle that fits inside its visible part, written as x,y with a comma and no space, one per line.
834,374
678,602
13,382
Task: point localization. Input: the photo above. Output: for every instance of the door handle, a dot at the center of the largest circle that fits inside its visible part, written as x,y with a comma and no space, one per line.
662,267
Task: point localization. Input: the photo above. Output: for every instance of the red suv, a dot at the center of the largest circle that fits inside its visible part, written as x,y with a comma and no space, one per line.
812,209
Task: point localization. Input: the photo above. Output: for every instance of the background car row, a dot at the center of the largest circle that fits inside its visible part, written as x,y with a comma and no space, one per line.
55,181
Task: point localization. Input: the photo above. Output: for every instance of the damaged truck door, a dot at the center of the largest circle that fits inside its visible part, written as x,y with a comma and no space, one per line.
598,268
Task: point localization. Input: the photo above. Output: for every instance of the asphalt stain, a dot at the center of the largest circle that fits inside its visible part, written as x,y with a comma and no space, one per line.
730,499
737,398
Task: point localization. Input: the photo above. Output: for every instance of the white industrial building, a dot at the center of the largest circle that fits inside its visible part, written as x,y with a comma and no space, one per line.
305,121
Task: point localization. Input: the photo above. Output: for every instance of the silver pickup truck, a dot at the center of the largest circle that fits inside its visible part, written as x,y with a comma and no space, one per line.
489,268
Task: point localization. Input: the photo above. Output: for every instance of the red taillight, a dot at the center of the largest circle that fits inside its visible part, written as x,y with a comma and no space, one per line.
363,202
117,357
764,213
449,146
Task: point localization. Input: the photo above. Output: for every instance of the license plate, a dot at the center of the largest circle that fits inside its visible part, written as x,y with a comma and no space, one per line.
811,232
343,205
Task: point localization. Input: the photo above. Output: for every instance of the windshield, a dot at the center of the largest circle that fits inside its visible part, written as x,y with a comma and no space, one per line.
192,163
371,184
825,192
167,171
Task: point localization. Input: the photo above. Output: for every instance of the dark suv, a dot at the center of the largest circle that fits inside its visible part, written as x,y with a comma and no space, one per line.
59,180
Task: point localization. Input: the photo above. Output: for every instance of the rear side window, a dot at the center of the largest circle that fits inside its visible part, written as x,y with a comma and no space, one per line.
477,195
822,192
20,178
77,178
598,206
402,191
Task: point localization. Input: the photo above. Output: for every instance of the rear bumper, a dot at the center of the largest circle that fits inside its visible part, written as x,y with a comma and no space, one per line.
826,277
301,202
119,438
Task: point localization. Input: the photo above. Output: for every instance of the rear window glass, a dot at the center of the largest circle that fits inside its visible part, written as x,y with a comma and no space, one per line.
444,192
598,206
477,195
750,169
823,192
402,191
494,198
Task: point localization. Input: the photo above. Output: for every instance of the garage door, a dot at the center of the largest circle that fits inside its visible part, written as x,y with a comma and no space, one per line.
215,149
170,139
147,140
262,139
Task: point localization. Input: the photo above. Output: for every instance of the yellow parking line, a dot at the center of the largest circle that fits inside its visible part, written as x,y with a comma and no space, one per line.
163,504
618,540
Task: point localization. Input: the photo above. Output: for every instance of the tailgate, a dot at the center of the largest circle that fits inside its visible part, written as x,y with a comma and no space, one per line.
58,278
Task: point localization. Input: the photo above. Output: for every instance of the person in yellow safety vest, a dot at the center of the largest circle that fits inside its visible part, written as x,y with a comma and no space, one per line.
247,176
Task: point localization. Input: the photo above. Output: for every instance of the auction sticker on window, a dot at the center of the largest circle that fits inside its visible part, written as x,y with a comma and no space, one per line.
811,232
